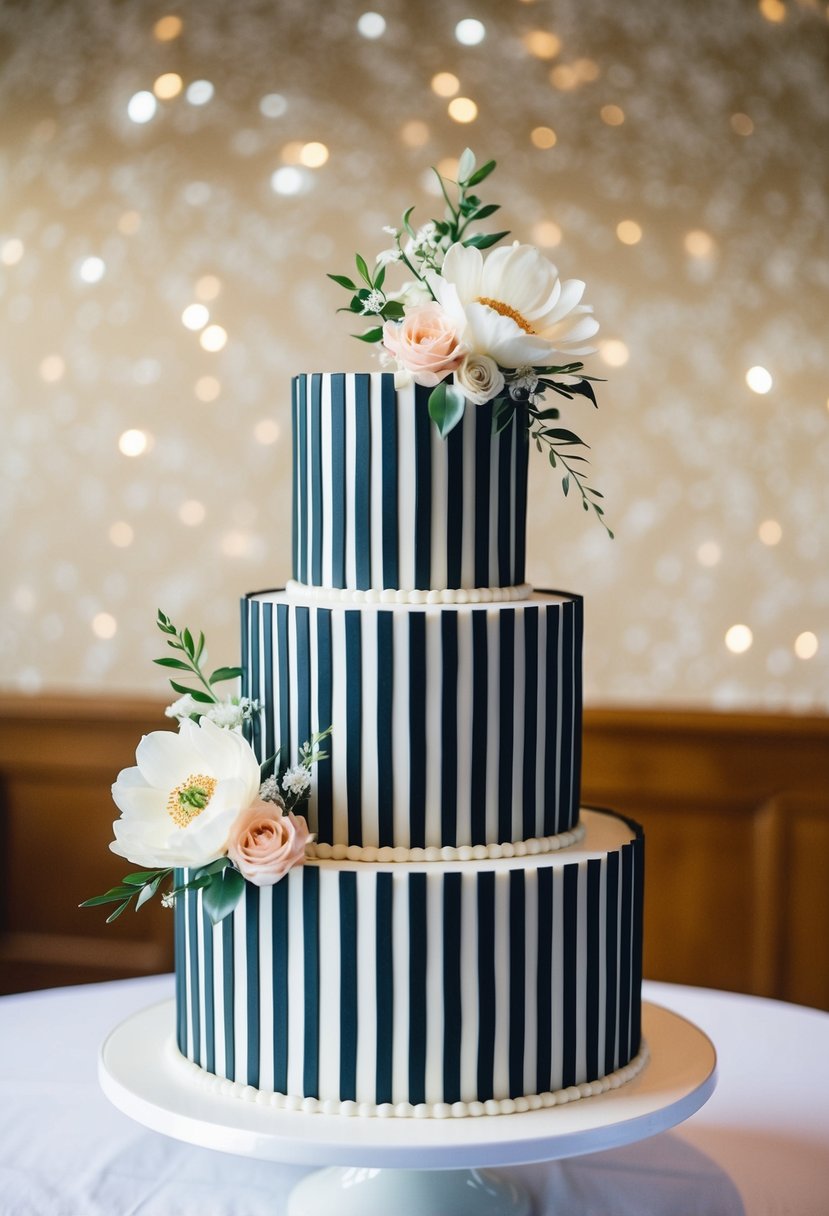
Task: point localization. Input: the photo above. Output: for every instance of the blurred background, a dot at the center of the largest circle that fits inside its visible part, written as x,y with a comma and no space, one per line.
176,182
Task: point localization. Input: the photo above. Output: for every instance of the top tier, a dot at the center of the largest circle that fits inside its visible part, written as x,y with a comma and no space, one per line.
382,502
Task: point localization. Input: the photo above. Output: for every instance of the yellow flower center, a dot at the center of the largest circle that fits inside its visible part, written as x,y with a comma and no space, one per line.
189,799
506,311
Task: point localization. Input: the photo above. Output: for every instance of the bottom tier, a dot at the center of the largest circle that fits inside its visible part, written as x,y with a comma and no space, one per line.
422,988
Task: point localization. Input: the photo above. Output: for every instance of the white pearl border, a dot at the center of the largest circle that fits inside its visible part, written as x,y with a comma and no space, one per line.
467,852
445,595
405,1110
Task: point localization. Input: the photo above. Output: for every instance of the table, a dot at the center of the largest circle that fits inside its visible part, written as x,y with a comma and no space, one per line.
760,1147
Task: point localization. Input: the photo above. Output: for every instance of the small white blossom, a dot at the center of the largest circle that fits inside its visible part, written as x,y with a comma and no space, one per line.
523,384
373,303
183,708
168,900
390,229
296,781
269,791
385,256
230,714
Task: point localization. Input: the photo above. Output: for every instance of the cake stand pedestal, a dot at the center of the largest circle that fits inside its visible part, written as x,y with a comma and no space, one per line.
408,1167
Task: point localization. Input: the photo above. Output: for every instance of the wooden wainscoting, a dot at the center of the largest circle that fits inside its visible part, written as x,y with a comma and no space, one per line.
735,809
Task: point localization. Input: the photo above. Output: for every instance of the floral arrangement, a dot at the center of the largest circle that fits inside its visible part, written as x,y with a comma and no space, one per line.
478,327
199,799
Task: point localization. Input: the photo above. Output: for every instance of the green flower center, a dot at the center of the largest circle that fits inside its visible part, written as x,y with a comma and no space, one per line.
188,800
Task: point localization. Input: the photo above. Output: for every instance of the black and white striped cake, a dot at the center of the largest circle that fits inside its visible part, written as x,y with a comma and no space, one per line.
461,940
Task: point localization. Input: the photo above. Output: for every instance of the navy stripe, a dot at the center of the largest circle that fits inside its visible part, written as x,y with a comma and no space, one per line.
301,481
551,796
228,989
348,986
417,988
483,454
505,442
517,981
252,959
638,909
192,898
522,444
391,536
530,824
544,991
283,733
452,1004
611,961
569,978
362,480
385,759
566,678
180,950
269,742
594,878
245,611
486,985
449,728
207,984
417,729
294,480
279,937
316,479
506,701
303,675
339,509
625,955
311,968
253,669
480,716
325,786
423,490
578,637
354,725
454,504
384,979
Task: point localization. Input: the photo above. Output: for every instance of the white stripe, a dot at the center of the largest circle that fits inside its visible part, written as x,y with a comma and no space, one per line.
350,481
513,461
366,987
492,722
463,779
202,993
188,987
439,576
434,989
296,983
326,450
339,736
329,991
266,988
433,757
581,973
240,988
370,777
519,676
558,825
556,980
220,1055
468,549
309,496
376,478
401,751
402,996
531,1028
293,688
541,720
602,1027
406,487
500,1072
469,987
493,580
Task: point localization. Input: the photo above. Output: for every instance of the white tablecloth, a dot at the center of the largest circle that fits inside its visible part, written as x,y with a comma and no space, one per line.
760,1146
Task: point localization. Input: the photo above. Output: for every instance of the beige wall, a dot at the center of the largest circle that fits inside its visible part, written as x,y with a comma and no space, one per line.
724,136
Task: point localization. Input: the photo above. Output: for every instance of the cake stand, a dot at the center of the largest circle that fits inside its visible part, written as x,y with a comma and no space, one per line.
405,1166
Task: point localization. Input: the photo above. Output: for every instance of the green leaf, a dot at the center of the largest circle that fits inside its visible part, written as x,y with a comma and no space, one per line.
195,693
363,269
381,278
371,335
212,867
446,406
549,415
109,897
343,281
164,623
560,435
189,644
466,166
223,894
144,876
199,648
565,484
225,673
148,891
393,310
114,915
585,389
407,220
485,212
480,174
483,240
178,664
501,421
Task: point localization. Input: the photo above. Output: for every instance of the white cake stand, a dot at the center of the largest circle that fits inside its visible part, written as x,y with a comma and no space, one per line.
405,1166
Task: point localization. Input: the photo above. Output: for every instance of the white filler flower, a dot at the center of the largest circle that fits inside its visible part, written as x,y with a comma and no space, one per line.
178,805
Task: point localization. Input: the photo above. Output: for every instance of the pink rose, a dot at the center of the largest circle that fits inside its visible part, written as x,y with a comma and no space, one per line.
426,343
264,843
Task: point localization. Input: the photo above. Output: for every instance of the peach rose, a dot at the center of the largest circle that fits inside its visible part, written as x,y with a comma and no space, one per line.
264,843
425,343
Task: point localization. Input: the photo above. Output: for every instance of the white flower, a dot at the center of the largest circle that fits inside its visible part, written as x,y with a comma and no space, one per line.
479,378
386,256
373,303
230,714
413,293
512,305
168,900
178,805
296,781
269,791
183,708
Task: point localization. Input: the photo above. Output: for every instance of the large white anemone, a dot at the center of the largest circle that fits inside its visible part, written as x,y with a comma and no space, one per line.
178,805
512,306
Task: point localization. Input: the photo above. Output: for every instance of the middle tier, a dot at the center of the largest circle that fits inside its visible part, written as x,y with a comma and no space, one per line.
451,726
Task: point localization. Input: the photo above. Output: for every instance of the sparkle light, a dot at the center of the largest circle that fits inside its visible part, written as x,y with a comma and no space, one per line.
613,352
213,338
547,233
759,380
470,31
141,107
207,388
52,368
208,287
738,639
806,645
199,92
445,84
273,105
564,77
11,251
167,86
773,10
134,443
92,269
544,44
629,232
613,115
371,25
770,532
543,137
741,124
462,109
287,180
195,316
414,133
698,244
266,431
709,553
313,155
121,534
192,512
167,28
104,625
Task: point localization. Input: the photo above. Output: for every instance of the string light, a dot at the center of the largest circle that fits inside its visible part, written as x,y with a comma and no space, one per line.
273,105
698,244
52,369
141,107
168,86
470,32
462,109
288,180
371,25
313,155
266,431
445,84
759,380
806,645
629,232
213,338
207,287
199,92
92,269
543,137
195,316
739,639
133,443
612,115
104,625
11,251
167,28
542,43
613,352
770,532
547,233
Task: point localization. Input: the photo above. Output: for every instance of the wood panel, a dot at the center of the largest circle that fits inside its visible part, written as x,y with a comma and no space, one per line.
735,809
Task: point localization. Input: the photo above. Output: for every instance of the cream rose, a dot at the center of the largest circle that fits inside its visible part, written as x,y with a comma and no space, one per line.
479,378
265,844
425,343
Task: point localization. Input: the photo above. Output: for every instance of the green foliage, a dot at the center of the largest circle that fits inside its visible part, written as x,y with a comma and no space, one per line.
194,653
